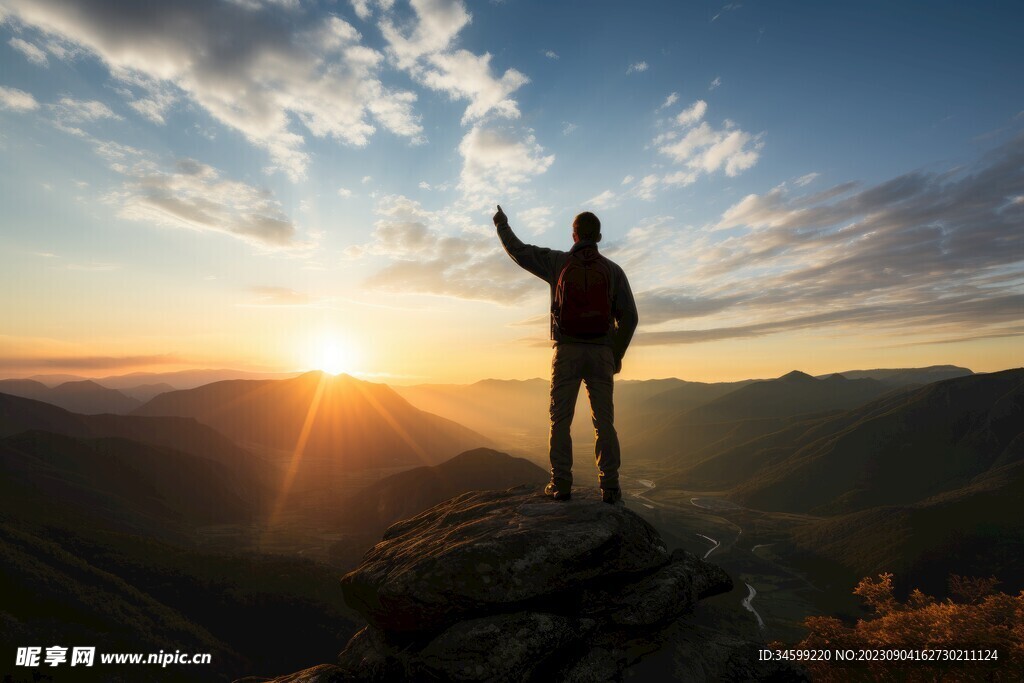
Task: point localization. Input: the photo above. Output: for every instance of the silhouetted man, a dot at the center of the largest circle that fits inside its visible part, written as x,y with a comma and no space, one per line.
593,317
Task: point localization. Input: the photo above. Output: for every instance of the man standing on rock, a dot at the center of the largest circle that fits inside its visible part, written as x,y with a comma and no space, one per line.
593,317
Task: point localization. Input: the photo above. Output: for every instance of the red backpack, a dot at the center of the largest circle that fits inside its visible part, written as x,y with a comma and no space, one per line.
583,295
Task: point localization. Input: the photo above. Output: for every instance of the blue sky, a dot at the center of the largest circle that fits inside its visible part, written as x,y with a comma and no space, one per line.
819,185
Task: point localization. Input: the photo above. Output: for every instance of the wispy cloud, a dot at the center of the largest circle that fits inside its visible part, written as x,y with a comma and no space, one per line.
194,196
805,179
725,9
551,54
715,83
17,100
669,101
32,52
927,256
603,200
637,67
70,113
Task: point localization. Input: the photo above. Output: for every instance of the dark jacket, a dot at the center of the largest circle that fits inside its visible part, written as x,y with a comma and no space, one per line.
547,264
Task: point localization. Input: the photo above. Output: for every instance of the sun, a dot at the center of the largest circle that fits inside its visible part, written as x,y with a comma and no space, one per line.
331,355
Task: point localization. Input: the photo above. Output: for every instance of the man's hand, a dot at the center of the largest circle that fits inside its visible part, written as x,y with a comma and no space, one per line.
500,218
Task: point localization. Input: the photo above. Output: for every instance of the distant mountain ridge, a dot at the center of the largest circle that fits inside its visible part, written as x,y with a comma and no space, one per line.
751,411
84,396
898,449
907,376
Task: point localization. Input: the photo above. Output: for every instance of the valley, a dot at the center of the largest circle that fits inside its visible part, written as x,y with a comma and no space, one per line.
279,486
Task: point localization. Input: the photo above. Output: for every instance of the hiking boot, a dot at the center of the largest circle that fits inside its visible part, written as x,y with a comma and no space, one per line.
558,492
611,496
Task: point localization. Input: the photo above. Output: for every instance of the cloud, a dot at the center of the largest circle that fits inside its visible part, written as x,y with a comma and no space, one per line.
550,54
245,66
424,257
715,83
692,114
926,256
538,219
32,52
194,196
645,187
730,7
436,24
423,48
702,149
805,179
17,100
602,200
345,192
497,162
463,75
362,9
666,304
637,67
669,101
568,128
80,111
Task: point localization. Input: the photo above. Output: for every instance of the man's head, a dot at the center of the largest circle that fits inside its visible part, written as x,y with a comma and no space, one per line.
586,227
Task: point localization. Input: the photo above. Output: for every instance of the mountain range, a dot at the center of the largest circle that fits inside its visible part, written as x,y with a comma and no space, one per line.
342,422
84,396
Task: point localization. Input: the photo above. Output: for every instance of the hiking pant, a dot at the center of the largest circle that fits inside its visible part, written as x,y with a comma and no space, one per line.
594,364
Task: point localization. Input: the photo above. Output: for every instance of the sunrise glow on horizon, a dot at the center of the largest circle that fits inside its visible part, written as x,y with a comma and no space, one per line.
284,186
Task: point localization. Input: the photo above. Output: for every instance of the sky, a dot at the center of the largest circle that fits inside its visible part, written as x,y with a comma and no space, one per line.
279,185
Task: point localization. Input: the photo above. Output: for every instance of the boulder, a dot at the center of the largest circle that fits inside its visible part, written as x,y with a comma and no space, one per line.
513,586
495,551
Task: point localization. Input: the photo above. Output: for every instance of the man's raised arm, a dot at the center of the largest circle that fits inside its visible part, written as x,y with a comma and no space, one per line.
538,260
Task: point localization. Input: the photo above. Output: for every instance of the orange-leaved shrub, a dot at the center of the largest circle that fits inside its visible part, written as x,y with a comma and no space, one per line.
976,618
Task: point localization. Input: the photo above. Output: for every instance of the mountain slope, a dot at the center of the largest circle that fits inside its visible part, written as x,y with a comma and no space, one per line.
181,434
345,422
896,450
133,594
409,493
971,531
118,483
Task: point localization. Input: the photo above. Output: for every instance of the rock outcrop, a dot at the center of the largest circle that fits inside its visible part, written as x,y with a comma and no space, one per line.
512,586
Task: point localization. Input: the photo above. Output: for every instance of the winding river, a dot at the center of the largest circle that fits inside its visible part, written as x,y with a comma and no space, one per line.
748,606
